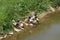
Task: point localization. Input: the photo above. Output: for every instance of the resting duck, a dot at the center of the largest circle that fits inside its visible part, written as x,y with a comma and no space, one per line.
18,25
34,19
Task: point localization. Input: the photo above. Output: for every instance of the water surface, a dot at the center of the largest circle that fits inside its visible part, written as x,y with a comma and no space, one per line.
53,33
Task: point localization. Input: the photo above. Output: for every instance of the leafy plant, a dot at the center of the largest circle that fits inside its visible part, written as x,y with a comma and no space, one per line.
55,3
14,9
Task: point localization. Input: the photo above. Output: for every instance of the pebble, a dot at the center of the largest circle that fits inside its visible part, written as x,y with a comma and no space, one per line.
1,38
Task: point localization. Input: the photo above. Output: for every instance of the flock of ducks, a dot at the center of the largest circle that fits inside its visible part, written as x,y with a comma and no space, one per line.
31,20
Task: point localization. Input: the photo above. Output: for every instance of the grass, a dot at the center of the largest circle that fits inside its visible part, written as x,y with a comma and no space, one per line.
14,9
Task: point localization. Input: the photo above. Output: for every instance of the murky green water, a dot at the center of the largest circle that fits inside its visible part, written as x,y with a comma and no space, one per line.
53,33
48,29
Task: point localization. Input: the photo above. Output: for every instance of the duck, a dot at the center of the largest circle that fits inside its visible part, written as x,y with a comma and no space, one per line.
18,25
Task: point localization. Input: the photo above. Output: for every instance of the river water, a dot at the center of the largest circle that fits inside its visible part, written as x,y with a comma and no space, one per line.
48,29
53,33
